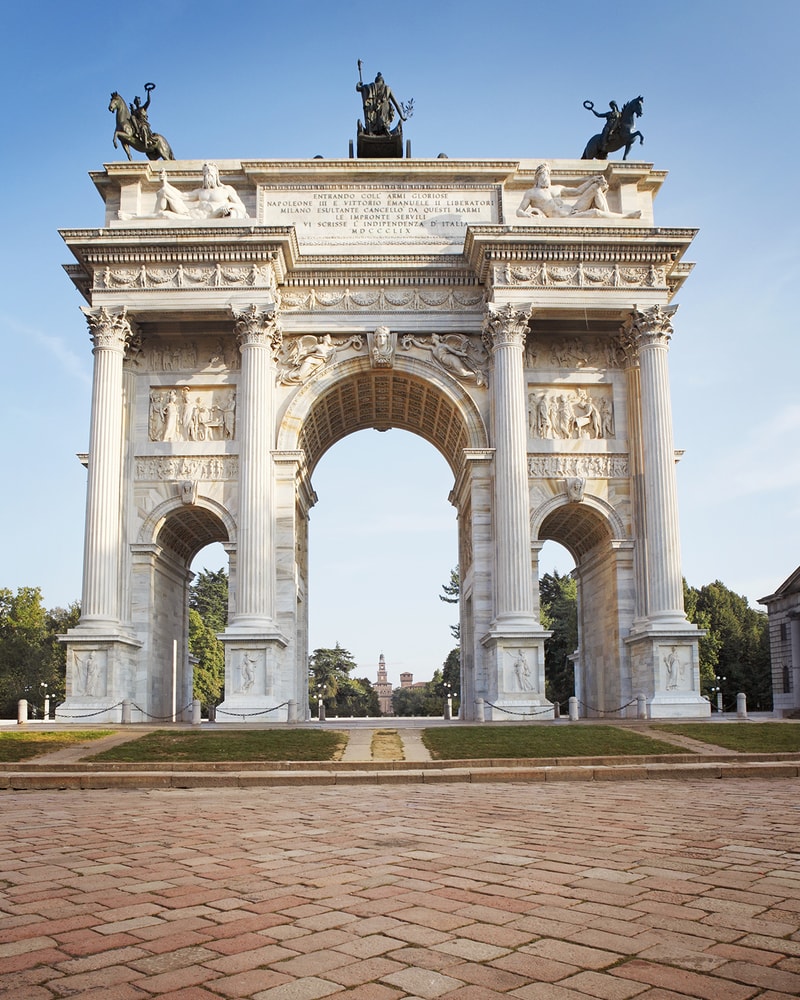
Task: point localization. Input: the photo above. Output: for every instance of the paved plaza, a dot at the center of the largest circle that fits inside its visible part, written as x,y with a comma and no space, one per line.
659,890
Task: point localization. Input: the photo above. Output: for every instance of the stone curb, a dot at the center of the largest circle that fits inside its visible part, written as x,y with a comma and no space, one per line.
32,779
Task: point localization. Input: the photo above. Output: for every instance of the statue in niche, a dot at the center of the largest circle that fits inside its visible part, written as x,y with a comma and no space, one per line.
522,672
618,130
454,354
132,129
212,200
544,200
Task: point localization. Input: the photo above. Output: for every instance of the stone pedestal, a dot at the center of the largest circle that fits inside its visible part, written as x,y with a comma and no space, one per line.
515,665
665,668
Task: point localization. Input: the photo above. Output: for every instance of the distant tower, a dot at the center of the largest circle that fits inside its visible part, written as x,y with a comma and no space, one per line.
384,688
406,680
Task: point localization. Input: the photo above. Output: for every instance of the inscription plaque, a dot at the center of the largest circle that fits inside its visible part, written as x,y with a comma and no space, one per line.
400,216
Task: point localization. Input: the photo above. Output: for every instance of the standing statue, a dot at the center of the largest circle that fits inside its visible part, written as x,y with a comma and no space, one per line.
617,132
133,128
376,137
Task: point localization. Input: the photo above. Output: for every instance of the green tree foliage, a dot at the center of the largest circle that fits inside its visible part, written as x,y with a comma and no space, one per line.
736,647
429,698
558,596
208,616
30,653
330,670
452,595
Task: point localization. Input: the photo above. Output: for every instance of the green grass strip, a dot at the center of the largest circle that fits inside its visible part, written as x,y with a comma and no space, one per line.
486,742
24,745
260,745
745,737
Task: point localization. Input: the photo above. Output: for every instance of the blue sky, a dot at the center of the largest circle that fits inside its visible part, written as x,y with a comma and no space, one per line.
273,80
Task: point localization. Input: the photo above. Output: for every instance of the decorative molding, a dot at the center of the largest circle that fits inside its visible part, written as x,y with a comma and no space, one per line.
160,278
178,468
256,327
111,331
650,327
382,299
505,326
578,466
548,274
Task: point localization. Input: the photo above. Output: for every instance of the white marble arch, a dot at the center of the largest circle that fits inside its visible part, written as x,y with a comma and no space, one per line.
599,543
155,520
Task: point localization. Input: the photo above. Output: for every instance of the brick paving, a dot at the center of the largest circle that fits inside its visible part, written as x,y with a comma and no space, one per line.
658,890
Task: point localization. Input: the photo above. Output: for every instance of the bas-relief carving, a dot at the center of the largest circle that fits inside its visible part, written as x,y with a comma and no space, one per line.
557,414
184,413
382,345
456,354
88,673
572,466
523,678
301,357
576,352
676,672
382,300
588,200
580,275
251,673
576,488
209,354
179,468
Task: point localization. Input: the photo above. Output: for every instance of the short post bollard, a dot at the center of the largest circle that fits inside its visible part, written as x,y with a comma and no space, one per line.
196,713
641,706
573,709
741,705
126,711
22,711
556,710
292,711
480,715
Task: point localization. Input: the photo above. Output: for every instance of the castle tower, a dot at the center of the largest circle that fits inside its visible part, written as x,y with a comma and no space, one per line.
384,688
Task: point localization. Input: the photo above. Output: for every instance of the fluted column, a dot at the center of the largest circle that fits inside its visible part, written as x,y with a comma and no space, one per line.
101,558
258,333
650,331
504,334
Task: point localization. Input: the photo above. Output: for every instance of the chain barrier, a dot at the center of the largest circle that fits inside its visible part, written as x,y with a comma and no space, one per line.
607,711
89,715
509,711
249,715
163,718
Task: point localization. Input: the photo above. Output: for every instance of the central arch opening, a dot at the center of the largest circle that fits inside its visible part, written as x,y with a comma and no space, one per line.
382,541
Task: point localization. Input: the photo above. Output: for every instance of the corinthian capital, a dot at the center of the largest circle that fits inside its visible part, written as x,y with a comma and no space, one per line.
505,326
650,327
258,327
109,331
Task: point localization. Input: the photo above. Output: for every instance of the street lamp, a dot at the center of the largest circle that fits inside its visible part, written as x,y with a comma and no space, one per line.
448,705
717,689
320,703
46,713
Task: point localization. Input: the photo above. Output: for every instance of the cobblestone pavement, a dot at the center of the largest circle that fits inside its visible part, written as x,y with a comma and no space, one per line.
659,890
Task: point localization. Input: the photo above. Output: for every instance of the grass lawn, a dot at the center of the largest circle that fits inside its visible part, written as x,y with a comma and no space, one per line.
476,742
24,745
265,744
746,737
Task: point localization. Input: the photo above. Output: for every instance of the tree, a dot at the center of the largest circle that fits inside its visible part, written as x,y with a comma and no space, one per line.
558,597
329,677
30,653
452,595
208,616
737,644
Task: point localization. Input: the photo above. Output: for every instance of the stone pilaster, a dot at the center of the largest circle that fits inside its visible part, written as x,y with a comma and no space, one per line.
514,645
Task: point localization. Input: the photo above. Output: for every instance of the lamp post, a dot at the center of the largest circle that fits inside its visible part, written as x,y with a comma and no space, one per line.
320,703
448,704
717,689
46,713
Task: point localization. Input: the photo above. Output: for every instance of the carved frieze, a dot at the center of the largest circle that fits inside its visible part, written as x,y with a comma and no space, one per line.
181,468
575,352
382,299
180,276
578,274
457,355
578,466
201,354
567,414
184,413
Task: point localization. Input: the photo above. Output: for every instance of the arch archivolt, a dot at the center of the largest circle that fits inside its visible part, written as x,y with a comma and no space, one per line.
578,526
188,527
412,395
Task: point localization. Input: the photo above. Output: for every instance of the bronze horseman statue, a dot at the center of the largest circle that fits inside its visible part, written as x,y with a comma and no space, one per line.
617,132
376,137
133,128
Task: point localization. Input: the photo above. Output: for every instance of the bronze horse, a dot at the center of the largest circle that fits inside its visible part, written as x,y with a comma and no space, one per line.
598,148
124,131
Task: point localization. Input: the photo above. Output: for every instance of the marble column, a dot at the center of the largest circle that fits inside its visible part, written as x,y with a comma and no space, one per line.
504,334
258,333
650,331
102,546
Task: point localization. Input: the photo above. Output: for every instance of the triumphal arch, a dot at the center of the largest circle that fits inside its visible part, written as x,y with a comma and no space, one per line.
246,315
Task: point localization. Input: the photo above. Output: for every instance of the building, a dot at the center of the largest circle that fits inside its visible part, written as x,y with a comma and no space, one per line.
783,608
383,688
